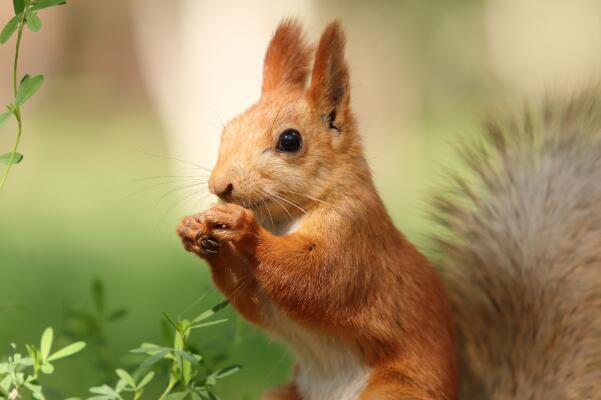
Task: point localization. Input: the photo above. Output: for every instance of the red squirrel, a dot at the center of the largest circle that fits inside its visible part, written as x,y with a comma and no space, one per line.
304,248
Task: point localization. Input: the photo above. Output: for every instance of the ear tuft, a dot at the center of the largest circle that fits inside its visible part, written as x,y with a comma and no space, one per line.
330,89
287,58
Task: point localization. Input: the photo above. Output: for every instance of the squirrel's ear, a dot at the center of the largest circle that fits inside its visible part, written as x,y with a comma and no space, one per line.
329,93
287,58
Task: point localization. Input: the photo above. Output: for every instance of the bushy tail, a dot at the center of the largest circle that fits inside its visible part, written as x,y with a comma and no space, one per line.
521,256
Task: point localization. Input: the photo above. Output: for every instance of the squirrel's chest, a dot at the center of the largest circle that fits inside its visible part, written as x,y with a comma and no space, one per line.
327,368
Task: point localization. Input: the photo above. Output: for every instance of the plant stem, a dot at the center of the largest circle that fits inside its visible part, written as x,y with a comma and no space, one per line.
168,389
17,109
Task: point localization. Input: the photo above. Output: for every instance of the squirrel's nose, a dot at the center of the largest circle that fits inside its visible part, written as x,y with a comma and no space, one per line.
223,190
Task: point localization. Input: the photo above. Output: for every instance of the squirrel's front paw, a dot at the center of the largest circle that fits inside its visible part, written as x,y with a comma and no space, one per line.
233,223
196,236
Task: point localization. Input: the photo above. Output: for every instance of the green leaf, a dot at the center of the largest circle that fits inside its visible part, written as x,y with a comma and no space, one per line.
209,313
9,29
169,319
121,385
5,382
68,351
47,368
123,374
147,378
183,327
46,343
166,330
33,387
204,324
4,117
227,371
40,4
105,390
27,88
33,352
149,348
34,23
117,315
154,359
26,361
18,6
38,396
203,393
98,295
6,158
188,357
177,396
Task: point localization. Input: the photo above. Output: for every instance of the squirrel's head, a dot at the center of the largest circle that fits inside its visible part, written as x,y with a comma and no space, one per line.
279,156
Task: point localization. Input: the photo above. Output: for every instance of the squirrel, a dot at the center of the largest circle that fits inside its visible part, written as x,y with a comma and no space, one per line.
304,248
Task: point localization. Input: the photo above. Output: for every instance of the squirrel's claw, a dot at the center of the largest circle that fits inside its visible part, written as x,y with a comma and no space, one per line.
196,238
210,246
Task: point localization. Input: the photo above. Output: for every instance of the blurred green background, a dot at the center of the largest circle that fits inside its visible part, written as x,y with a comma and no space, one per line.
124,93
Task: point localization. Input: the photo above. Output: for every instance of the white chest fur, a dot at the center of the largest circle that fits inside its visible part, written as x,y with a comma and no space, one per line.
280,229
328,369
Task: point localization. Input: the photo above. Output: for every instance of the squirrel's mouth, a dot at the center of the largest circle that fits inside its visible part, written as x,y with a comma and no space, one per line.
255,205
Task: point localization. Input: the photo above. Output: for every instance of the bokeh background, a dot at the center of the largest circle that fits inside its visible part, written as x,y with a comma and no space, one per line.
137,91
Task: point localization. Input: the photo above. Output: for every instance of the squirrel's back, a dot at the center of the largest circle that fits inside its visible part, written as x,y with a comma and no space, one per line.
521,255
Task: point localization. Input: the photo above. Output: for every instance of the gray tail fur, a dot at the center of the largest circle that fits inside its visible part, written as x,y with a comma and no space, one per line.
521,255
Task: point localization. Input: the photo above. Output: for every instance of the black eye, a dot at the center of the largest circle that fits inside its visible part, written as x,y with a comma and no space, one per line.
289,140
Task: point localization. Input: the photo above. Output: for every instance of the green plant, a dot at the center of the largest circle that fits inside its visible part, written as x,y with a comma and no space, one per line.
126,383
188,377
90,324
25,14
20,373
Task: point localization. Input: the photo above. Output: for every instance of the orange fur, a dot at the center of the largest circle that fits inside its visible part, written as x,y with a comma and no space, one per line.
342,275
330,81
287,58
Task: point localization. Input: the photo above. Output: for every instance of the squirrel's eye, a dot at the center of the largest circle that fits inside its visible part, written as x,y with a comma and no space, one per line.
289,140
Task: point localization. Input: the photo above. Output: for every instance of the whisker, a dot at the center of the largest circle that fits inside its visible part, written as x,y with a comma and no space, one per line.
263,205
198,300
145,189
270,216
180,200
147,178
305,195
241,284
277,364
287,201
178,189
198,195
280,204
312,198
175,159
